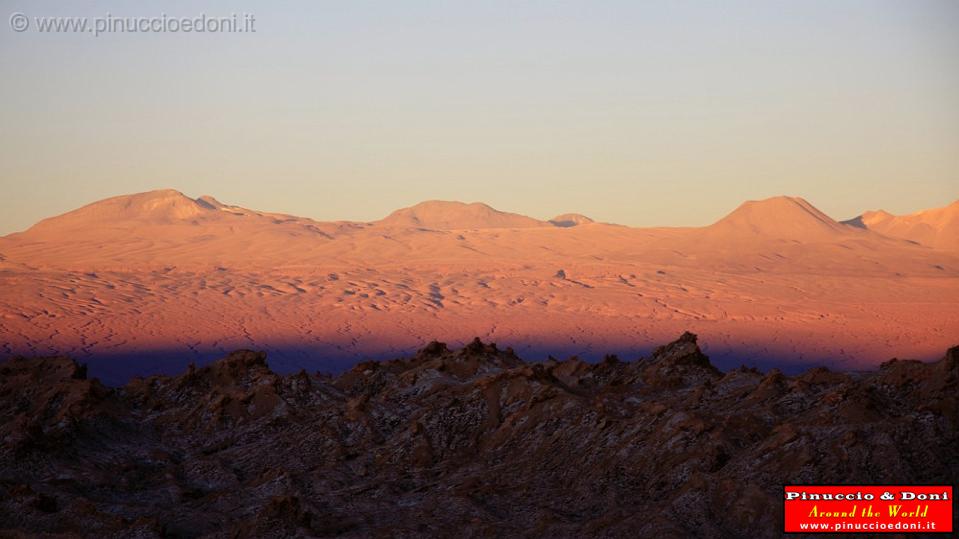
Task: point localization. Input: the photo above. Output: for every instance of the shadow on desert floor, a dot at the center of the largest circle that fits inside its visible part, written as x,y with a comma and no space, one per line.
117,368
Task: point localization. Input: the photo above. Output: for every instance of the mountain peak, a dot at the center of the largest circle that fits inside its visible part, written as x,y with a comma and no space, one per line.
878,213
151,207
781,217
453,215
159,193
567,220
210,201
450,205
162,203
778,203
935,227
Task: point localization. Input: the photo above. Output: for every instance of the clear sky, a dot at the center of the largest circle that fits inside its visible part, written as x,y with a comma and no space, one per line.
640,113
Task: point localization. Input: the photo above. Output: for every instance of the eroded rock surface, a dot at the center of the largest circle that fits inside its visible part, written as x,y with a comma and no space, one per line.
469,443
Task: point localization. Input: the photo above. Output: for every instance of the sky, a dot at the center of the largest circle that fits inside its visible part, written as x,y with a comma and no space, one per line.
639,113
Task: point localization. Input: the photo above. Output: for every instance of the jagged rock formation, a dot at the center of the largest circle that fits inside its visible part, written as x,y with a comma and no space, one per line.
473,442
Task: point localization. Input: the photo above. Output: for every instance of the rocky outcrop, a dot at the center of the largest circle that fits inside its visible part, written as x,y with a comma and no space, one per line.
469,442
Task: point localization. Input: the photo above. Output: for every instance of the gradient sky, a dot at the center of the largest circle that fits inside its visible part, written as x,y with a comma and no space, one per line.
640,113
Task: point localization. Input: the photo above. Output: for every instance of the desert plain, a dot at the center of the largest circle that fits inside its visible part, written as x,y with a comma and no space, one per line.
147,283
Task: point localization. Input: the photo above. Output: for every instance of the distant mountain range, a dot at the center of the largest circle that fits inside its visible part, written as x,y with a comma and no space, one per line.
782,216
776,282
938,227
166,228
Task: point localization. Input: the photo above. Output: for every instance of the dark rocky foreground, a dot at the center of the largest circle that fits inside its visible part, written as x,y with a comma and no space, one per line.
472,443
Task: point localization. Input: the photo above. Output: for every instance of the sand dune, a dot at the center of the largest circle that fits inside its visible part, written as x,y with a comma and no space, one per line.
160,275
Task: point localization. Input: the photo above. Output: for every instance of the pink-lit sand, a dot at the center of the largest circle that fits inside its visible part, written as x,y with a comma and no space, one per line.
775,281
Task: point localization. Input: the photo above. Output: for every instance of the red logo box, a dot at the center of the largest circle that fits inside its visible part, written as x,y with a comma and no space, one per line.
867,509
